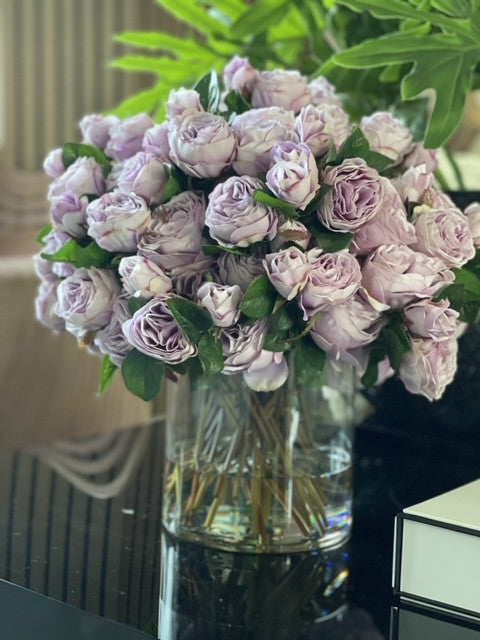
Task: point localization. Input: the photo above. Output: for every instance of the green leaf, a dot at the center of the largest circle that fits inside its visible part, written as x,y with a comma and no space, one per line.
43,233
71,151
194,14
309,362
208,88
330,241
159,41
107,371
210,354
174,184
192,319
321,193
370,377
236,102
259,299
267,198
357,146
259,17
90,255
396,341
217,250
143,102
136,303
142,375
279,326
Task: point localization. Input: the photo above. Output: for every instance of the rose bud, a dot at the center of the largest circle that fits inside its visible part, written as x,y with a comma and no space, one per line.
142,277
429,367
239,75
257,131
321,127
69,214
419,155
323,92
201,144
241,345
85,298
117,219
473,218
234,218
46,306
240,270
355,197
288,271
84,176
291,231
126,137
53,163
221,301
95,129
387,135
434,320
413,183
111,340
294,175
154,331
279,88
155,141
144,174
396,275
182,101
267,372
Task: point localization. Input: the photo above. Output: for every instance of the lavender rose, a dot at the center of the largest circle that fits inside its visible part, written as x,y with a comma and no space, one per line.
84,176
396,275
140,276
293,176
355,197
117,219
85,299
126,136
183,101
257,131
473,218
333,277
241,345
434,320
154,331
53,163
291,231
47,270
111,340
419,155
155,141
69,214
96,129
239,75
286,89
323,92
288,271
46,306
429,367
234,218
414,182
221,301
189,278
144,174
240,270
387,135
321,127
267,372
201,144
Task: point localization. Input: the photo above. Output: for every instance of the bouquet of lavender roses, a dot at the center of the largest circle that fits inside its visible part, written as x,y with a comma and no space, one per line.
257,222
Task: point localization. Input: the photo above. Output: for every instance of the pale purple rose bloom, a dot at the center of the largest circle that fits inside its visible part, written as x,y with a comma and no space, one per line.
126,136
221,301
257,131
396,275
419,155
434,320
189,278
321,127
142,277
241,344
429,367
117,219
85,299
288,271
333,277
234,218
269,371
144,174
286,89
53,163
111,340
69,213
154,331
436,199
323,92
387,135
84,176
46,306
239,75
347,325
443,234
95,129
355,197
201,144
293,176
389,226
182,101
53,242
414,182
155,141
290,231
473,218
173,238
111,182
240,270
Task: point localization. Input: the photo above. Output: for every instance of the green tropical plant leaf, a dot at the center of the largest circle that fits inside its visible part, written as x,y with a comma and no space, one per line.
260,17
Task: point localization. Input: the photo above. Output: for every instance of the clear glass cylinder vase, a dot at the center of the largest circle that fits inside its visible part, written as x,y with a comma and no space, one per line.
259,472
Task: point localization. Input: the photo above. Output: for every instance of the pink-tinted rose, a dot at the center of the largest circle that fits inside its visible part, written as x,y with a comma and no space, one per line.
183,101
155,141
396,275
240,270
154,331
387,135
221,301
201,144
355,196
69,214
117,219
291,231
234,218
334,277
323,92
267,372
241,345
434,320
286,89
111,340
288,271
84,176
46,306
239,75
126,136
293,176
144,174
429,367
321,127
414,182
142,277
53,163
473,218
389,226
95,129
85,298
443,234
419,155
